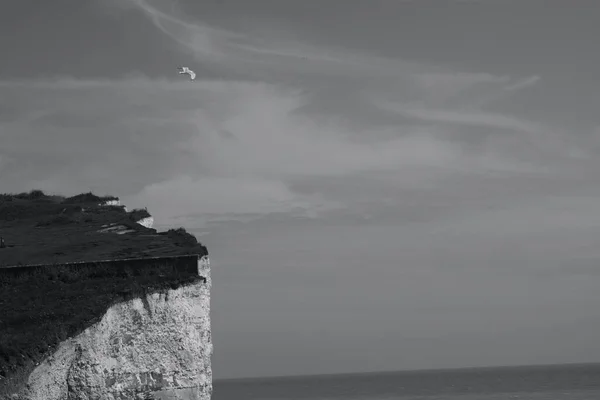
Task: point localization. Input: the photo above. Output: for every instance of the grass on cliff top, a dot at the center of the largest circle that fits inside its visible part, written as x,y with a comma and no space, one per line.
44,229
39,196
59,210
36,203
43,306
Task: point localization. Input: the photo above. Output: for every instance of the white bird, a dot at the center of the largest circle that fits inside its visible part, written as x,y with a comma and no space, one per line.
186,70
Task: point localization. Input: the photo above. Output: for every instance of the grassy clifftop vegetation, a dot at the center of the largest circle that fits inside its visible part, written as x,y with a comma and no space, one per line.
40,229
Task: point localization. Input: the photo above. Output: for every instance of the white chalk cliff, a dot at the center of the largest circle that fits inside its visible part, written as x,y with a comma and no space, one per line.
148,222
155,347
110,203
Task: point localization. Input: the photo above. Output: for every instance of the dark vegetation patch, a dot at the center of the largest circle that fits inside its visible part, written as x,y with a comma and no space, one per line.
138,214
34,195
180,237
88,198
36,203
48,229
42,306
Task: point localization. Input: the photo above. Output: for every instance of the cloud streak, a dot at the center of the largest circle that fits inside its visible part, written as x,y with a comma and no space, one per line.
145,135
247,139
244,53
466,118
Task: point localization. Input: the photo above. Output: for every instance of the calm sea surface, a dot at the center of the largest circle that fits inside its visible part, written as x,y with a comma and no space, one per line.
565,382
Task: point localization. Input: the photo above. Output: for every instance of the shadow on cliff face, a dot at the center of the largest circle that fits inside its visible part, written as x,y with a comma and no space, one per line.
42,306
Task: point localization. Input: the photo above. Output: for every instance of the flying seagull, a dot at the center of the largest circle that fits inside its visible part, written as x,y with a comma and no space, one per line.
186,70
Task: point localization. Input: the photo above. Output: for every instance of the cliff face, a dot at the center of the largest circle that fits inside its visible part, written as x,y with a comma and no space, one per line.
148,222
154,347
97,305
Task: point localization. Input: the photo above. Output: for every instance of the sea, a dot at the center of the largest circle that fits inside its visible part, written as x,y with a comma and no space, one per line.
552,382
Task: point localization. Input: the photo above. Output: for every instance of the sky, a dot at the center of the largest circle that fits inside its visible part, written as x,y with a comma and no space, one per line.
381,184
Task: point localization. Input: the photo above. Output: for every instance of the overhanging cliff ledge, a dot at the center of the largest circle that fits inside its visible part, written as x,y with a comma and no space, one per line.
95,304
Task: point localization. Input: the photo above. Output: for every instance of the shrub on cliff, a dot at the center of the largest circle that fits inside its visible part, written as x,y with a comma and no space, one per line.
88,198
36,196
181,237
32,195
138,214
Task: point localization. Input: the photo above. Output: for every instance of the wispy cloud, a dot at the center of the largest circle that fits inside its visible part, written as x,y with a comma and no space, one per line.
245,53
523,83
504,93
444,87
145,135
465,117
246,140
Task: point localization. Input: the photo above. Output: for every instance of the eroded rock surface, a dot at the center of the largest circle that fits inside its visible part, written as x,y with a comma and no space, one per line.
155,347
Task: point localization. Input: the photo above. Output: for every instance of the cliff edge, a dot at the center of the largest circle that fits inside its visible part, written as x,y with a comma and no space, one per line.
127,319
